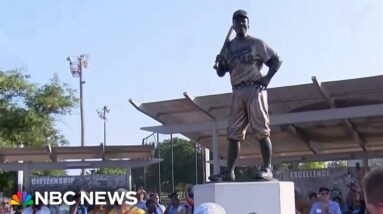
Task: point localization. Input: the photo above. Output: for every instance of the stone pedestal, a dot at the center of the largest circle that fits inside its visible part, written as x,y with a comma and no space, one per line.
272,197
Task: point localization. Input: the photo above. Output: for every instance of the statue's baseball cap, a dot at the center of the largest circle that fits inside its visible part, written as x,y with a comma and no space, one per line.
240,13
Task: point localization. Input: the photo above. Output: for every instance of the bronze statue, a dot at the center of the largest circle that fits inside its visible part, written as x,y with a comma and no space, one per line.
243,58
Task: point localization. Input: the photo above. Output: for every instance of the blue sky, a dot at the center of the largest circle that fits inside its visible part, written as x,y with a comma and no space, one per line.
156,50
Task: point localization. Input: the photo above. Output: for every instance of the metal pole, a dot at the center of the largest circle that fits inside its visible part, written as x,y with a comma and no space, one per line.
20,176
129,178
365,162
207,164
144,177
159,164
171,141
81,110
105,125
203,164
27,177
196,163
215,146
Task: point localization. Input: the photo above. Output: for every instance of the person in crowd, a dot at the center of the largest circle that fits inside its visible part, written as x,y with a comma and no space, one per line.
313,197
99,209
141,202
156,198
54,209
356,206
175,207
209,208
189,197
373,191
301,206
151,206
6,206
343,207
126,209
325,205
36,209
78,208
355,198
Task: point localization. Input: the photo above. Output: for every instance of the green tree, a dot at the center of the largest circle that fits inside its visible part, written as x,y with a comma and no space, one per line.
108,171
28,113
298,166
8,183
337,164
184,167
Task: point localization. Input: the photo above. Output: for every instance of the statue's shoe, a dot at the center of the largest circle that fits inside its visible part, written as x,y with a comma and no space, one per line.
264,174
222,177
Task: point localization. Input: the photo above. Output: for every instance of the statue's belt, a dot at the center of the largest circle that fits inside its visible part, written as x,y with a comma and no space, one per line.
247,84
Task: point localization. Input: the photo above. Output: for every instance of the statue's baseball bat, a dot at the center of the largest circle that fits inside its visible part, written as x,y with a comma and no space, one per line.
227,40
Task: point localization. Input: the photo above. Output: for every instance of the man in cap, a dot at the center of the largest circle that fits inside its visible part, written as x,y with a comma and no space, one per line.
243,58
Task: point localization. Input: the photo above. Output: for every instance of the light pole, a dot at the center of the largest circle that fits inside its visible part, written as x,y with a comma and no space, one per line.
76,67
102,115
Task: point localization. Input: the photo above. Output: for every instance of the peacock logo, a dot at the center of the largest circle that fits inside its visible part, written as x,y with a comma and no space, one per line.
21,198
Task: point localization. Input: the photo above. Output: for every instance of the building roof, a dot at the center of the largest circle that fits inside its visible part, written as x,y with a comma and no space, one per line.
316,121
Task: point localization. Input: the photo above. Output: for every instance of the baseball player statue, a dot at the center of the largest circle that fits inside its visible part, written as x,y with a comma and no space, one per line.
243,57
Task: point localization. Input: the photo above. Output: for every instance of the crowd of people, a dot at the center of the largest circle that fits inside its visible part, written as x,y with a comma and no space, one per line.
147,203
366,199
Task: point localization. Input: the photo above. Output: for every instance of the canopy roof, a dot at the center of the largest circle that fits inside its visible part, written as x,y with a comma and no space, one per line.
48,153
68,157
316,121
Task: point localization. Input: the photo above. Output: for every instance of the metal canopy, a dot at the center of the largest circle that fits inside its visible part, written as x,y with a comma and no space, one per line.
77,164
65,157
316,121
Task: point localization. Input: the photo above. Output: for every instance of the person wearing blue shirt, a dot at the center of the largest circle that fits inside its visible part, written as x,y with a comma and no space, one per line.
325,205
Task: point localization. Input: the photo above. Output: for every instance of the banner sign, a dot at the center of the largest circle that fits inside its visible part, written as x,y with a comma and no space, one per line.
339,180
77,183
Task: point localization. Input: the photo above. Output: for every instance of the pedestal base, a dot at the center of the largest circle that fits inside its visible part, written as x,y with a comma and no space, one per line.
272,197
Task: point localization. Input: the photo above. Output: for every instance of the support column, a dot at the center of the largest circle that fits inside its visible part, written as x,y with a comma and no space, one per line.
172,151
215,146
20,179
129,178
27,174
20,176
196,162
159,164
207,164
365,162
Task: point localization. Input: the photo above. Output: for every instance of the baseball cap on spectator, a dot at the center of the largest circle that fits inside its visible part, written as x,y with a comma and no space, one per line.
209,208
